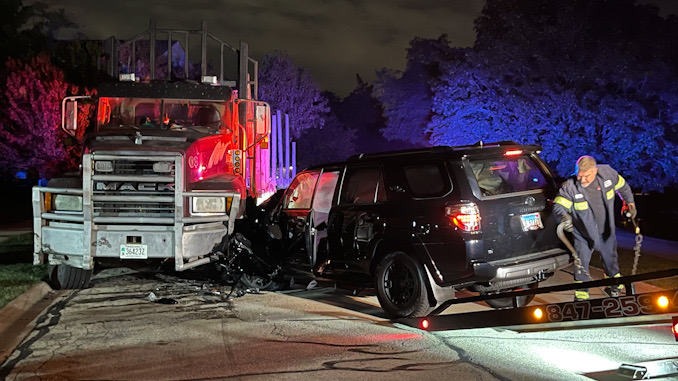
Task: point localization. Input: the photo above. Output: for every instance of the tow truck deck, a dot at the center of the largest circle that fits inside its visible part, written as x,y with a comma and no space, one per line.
658,307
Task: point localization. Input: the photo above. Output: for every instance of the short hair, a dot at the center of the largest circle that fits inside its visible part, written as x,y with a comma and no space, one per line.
585,163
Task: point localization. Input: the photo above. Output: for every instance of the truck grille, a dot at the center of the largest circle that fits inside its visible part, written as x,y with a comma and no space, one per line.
139,187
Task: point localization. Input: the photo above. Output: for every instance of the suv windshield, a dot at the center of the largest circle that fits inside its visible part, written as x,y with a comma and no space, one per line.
507,175
161,113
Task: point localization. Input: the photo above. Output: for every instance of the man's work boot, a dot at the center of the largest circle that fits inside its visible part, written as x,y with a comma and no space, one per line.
581,296
614,291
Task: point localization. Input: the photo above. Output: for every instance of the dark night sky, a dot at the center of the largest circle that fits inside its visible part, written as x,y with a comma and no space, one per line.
335,39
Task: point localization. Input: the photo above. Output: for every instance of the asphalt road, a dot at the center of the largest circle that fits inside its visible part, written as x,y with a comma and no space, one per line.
113,331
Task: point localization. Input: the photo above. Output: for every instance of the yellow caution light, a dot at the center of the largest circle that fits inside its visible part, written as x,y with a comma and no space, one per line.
538,313
663,301
48,202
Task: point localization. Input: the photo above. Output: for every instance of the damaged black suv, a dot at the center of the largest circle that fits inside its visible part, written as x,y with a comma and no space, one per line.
418,225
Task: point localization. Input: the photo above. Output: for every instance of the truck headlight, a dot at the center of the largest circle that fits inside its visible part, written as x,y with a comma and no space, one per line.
208,205
67,203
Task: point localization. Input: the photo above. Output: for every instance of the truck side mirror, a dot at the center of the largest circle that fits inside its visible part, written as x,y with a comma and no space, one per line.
262,119
70,117
69,113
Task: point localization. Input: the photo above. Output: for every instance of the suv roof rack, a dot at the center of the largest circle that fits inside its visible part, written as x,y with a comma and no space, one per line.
436,149
442,149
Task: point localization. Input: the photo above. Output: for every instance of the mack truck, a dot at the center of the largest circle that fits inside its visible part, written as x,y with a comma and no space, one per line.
167,164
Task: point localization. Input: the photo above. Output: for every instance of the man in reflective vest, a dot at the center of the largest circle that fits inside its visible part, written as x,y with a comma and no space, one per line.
586,205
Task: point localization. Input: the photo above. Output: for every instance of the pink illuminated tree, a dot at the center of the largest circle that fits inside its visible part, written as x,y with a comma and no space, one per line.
30,135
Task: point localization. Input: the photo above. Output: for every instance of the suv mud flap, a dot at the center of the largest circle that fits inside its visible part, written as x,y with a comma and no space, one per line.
439,294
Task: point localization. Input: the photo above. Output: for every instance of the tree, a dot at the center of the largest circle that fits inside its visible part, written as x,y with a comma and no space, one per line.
577,77
292,90
333,142
406,96
28,30
30,133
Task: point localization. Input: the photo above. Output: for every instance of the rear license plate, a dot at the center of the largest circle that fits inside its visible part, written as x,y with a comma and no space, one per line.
133,252
531,221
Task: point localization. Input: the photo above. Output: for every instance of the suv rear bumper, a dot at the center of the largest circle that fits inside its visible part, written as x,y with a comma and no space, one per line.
531,266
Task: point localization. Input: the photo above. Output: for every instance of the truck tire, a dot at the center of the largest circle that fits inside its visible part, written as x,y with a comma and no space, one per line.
401,287
68,277
505,303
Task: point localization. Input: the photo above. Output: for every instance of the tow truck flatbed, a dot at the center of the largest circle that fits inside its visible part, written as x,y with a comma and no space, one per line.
646,308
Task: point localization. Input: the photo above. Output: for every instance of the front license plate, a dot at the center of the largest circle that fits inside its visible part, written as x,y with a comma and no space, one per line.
133,252
531,221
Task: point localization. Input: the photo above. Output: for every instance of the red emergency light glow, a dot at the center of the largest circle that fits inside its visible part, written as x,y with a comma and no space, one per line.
513,152
209,157
424,324
674,327
464,216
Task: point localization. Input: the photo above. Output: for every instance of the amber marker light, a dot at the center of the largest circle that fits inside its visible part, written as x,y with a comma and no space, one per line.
424,324
538,313
663,301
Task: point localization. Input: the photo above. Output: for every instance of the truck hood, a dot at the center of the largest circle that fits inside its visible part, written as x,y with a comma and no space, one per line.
142,140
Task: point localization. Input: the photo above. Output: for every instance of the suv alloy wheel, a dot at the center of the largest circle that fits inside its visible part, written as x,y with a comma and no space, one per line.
401,288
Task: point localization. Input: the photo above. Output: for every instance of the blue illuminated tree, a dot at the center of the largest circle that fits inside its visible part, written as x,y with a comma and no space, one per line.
292,90
406,95
578,77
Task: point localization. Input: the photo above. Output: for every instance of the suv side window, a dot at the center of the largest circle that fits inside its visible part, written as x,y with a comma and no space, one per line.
322,202
300,192
427,179
363,185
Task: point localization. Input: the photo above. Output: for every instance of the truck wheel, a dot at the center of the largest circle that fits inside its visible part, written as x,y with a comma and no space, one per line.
401,288
505,303
260,282
68,277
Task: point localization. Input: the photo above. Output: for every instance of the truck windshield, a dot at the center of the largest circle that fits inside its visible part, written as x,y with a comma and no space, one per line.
143,113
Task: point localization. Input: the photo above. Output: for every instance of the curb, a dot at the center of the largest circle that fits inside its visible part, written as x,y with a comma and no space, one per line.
17,314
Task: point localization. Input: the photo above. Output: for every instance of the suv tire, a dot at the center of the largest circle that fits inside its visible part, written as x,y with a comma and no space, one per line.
63,277
505,303
401,288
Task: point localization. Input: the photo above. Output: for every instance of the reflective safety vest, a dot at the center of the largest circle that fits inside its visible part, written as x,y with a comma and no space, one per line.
573,199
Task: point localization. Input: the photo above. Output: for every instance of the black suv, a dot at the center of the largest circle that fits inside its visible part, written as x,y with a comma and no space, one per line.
419,224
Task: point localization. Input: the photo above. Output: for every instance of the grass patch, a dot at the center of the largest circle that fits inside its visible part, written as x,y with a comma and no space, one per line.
17,243
646,264
16,278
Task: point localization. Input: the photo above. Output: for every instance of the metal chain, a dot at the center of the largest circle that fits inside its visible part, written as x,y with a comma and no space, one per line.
636,248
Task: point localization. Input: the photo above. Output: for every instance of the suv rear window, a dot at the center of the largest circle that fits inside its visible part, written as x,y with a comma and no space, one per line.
507,175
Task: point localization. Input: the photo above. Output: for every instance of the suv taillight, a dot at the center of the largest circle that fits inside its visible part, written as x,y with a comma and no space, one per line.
465,216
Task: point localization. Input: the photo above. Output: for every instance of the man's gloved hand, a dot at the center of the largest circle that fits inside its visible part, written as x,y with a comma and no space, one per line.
632,210
566,220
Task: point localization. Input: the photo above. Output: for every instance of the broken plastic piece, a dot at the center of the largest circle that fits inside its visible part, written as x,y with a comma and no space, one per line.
151,297
311,284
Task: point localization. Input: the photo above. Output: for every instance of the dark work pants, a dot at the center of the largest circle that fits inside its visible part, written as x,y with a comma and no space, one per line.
607,249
